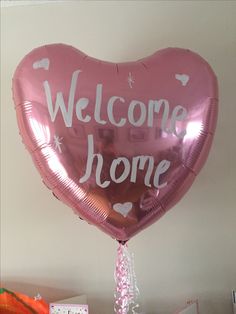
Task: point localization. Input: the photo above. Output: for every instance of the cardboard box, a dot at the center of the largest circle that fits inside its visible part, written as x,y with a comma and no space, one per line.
191,308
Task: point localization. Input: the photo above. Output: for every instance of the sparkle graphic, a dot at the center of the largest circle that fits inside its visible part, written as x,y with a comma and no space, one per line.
130,80
57,142
37,297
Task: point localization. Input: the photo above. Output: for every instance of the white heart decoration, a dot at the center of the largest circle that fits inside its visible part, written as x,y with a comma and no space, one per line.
123,209
183,78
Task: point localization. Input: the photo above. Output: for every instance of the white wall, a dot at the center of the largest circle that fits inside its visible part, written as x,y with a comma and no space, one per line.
190,252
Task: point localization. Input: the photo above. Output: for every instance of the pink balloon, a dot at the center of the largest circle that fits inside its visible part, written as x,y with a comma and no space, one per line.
119,143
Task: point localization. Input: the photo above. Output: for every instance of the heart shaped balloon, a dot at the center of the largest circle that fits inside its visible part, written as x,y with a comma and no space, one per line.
118,143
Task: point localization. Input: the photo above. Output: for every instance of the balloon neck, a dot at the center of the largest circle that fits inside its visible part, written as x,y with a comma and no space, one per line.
122,242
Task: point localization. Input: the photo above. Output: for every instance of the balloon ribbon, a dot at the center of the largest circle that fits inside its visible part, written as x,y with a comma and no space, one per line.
126,291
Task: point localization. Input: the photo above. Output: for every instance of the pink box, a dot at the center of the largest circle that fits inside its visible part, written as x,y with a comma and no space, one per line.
60,308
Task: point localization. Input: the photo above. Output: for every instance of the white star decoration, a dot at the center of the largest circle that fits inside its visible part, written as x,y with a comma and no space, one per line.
37,297
57,142
130,80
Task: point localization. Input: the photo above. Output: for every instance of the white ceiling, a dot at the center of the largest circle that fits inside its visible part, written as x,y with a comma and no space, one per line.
11,3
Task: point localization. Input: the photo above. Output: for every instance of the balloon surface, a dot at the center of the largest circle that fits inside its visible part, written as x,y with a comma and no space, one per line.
120,143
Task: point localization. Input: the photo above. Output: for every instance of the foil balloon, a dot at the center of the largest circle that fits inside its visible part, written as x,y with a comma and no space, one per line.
119,143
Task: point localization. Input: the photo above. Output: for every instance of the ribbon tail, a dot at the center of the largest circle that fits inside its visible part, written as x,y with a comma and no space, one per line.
126,291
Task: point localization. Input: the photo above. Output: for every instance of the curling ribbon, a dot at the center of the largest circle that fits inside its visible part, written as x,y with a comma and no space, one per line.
126,291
